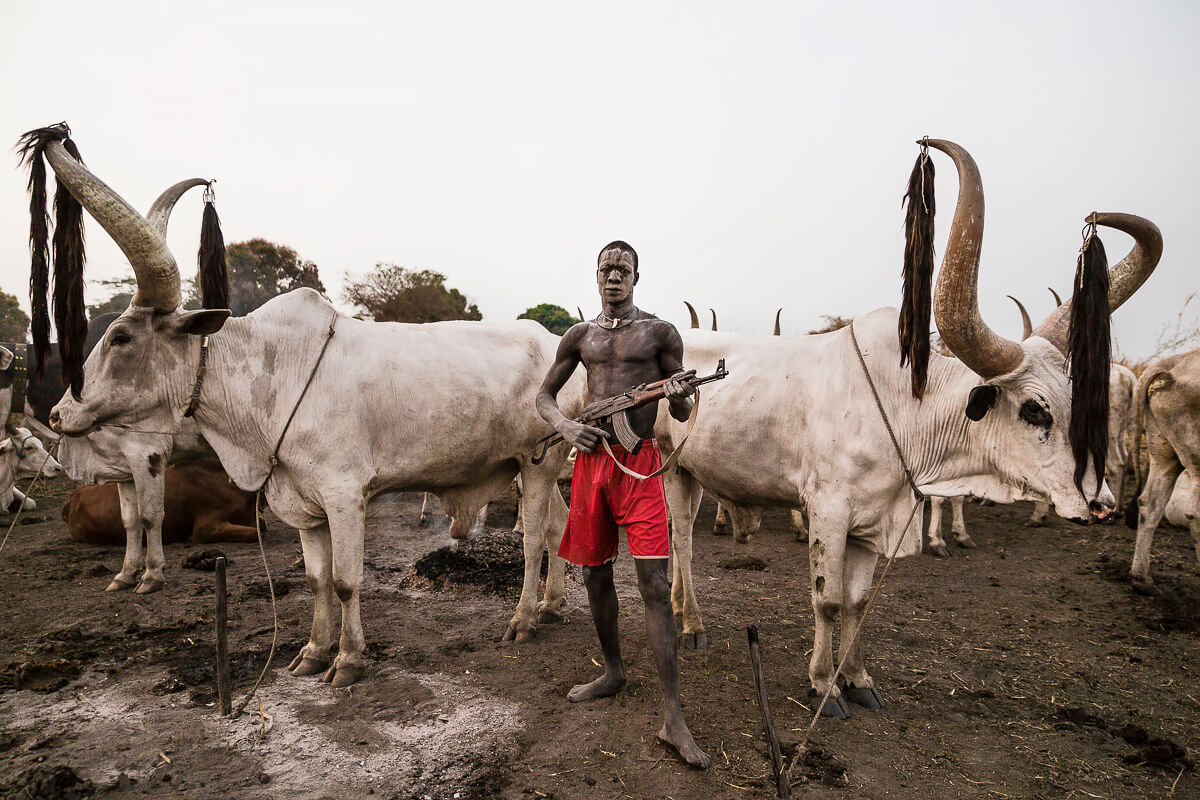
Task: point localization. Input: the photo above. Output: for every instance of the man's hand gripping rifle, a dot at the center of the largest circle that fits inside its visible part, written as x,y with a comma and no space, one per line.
613,409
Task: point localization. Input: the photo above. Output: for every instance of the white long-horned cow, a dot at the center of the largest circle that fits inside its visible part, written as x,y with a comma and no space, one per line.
445,407
795,422
22,455
1167,412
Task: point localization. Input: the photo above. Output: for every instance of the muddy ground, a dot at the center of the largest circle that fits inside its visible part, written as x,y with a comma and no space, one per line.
1025,668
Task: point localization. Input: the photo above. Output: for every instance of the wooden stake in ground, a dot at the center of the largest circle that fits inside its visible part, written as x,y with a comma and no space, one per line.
222,643
782,785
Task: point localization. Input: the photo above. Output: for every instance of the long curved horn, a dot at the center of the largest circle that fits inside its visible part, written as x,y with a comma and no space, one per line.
581,317
777,313
1057,299
1123,279
153,264
692,314
160,212
956,297
714,327
1026,324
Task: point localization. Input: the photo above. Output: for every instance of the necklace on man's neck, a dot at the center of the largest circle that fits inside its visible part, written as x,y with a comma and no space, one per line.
615,322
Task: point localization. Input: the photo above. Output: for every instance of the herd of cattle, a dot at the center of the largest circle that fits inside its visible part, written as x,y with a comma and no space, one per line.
322,412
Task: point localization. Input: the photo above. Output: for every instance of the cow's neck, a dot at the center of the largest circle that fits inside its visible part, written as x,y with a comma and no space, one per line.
253,382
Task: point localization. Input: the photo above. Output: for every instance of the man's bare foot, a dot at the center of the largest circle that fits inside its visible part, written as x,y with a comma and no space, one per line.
605,686
678,736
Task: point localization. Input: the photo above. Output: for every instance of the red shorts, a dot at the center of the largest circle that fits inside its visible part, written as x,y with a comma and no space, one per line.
603,497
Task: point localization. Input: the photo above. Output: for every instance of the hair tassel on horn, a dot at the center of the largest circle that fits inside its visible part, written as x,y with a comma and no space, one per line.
70,318
916,303
213,272
1090,352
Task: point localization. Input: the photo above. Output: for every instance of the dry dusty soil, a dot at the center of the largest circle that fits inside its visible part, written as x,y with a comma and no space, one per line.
1024,668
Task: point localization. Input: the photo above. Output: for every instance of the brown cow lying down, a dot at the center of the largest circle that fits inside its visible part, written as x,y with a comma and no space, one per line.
201,506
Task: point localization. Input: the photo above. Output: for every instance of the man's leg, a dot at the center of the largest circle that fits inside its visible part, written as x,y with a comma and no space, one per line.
660,626
602,597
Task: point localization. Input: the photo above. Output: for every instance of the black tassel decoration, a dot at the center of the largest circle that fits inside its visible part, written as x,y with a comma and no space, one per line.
213,272
70,316
916,303
1090,351
29,148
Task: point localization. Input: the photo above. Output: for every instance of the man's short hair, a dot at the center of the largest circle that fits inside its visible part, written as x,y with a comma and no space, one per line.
624,247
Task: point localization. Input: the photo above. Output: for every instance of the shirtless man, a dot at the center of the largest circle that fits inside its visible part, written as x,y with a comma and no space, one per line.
622,348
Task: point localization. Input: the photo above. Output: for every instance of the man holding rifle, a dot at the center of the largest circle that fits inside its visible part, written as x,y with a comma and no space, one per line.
620,349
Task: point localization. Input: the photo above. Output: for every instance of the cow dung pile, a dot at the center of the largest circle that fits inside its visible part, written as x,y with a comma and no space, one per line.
48,783
493,561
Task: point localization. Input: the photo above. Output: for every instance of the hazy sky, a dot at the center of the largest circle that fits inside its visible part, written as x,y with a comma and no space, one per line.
754,153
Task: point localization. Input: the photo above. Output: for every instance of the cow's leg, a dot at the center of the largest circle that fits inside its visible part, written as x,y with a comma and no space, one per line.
857,573
683,503
937,545
347,527
721,521
519,525
959,525
210,532
151,492
826,553
1037,519
545,518
134,556
1192,504
1151,505
799,525
426,509
313,658
480,520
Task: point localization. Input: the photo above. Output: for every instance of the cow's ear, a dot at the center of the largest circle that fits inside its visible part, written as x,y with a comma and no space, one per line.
7,446
6,358
981,401
203,322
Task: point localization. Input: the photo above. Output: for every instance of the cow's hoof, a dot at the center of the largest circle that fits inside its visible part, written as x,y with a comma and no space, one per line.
119,585
1034,523
345,675
149,585
1142,585
694,641
835,707
302,666
519,633
966,542
939,551
865,697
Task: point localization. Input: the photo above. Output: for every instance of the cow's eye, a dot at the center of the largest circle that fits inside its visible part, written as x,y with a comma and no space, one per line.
121,338
1036,414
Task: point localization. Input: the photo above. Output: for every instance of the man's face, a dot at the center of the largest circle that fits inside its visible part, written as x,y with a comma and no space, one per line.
615,276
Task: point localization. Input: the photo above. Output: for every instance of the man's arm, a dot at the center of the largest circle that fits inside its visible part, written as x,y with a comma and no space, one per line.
670,360
584,437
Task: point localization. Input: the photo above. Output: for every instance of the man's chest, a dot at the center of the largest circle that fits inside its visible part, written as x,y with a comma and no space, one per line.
622,346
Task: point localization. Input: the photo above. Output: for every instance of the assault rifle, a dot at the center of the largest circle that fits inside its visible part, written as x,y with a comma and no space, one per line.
613,409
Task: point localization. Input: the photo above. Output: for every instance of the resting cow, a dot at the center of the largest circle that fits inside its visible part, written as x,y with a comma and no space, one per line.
202,506
795,421
1167,412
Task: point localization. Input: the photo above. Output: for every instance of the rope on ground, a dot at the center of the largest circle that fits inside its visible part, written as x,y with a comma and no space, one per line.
28,489
274,613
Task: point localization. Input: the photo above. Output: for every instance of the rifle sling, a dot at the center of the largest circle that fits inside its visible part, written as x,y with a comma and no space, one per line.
671,459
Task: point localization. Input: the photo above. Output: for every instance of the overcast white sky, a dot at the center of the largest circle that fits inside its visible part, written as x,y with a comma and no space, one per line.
754,153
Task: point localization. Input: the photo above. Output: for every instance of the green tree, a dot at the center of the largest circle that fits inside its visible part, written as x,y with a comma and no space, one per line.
555,319
391,293
14,323
260,270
